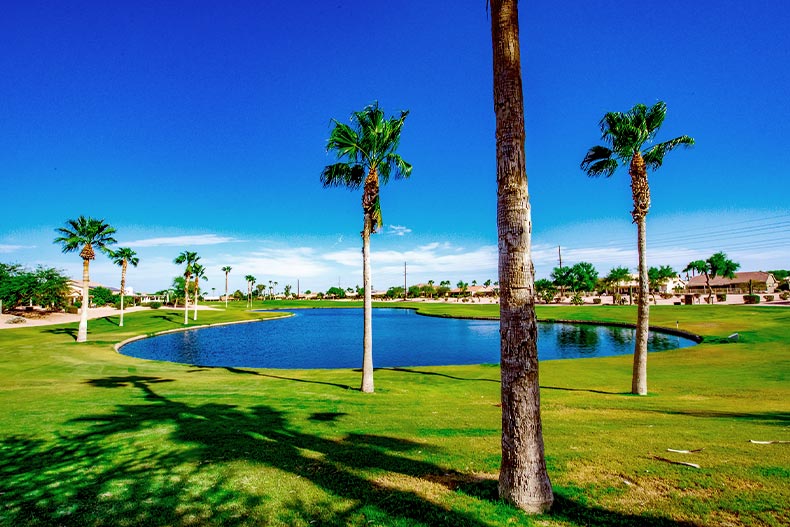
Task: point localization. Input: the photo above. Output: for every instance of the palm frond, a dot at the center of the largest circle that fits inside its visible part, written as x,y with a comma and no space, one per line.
343,175
599,162
654,156
85,231
654,117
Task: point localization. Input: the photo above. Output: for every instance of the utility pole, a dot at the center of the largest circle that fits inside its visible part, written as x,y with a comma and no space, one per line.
562,287
405,290
298,293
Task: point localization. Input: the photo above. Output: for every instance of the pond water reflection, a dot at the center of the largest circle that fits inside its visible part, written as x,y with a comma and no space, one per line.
332,338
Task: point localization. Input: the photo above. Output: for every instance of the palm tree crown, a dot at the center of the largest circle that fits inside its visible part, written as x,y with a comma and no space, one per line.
368,157
85,234
124,254
626,134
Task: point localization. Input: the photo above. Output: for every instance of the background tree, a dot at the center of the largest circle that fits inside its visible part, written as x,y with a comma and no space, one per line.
523,479
617,276
198,271
261,289
287,289
85,234
658,276
188,259
227,269
335,292
463,286
545,289
367,157
415,291
717,265
626,134
51,288
46,287
124,256
102,296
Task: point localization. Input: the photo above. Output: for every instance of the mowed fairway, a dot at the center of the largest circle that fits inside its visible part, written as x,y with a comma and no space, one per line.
90,437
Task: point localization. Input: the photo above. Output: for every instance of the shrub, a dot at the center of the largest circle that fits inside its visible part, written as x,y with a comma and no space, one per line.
596,300
784,295
155,305
577,299
769,298
721,297
751,299
666,296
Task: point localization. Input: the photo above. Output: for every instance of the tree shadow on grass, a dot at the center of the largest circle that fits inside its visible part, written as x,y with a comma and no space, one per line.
166,462
241,371
777,418
436,374
169,462
603,392
72,332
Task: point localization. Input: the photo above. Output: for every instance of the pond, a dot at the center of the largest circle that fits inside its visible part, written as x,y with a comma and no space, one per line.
332,338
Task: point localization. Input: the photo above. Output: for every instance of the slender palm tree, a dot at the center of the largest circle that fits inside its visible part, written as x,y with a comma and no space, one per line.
716,265
367,157
85,234
199,272
250,283
227,269
124,256
523,479
626,134
188,258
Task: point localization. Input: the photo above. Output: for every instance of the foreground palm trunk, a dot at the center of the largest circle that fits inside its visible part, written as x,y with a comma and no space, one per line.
367,308
640,191
523,479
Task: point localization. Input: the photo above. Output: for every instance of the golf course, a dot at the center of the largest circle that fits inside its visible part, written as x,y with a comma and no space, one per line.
90,437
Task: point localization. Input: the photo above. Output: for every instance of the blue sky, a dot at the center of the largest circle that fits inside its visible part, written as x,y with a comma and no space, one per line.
202,125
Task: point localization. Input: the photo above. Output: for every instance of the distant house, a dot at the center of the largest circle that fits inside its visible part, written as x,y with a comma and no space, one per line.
761,282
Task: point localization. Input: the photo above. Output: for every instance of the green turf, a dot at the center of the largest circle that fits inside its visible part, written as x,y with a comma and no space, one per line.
91,437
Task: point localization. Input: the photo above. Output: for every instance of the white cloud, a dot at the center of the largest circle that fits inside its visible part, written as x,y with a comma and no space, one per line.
4,249
181,241
398,230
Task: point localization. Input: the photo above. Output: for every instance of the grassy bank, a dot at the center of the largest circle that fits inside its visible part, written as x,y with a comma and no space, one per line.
90,437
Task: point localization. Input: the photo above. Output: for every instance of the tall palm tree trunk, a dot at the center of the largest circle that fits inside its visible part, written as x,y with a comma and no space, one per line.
194,316
123,289
226,290
639,376
82,332
523,479
186,300
640,191
367,308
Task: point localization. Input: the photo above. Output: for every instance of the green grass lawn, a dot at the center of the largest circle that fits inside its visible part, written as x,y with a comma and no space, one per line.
90,437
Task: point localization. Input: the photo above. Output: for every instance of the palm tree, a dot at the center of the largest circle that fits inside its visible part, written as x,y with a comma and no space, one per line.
523,479
626,134
275,287
615,277
717,265
123,257
199,272
83,234
367,157
226,270
250,283
190,259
